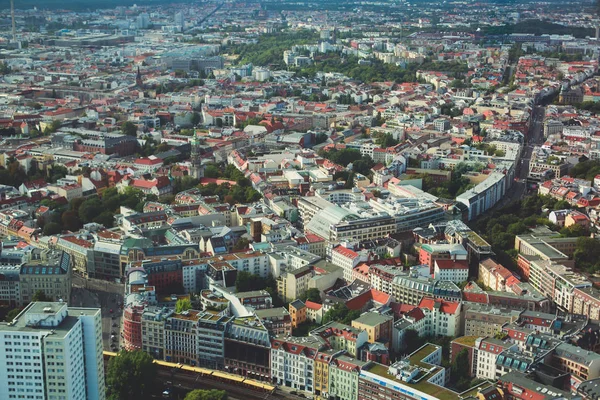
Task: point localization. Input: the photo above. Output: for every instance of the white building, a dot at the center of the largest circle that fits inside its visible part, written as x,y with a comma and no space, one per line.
54,352
488,350
456,271
293,361
346,259
444,316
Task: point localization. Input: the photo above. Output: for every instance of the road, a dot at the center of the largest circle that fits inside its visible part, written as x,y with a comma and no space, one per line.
535,137
105,295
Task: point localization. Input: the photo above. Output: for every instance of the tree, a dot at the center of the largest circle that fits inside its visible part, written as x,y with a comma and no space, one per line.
71,221
212,171
129,128
246,282
312,294
212,394
340,313
40,295
241,244
130,375
183,305
12,314
412,341
52,228
90,209
196,118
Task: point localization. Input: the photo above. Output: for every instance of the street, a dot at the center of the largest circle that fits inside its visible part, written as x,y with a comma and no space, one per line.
106,295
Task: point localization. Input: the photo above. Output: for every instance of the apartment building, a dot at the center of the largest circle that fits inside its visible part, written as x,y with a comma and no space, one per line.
343,377
444,316
381,277
342,337
429,253
377,326
51,351
293,361
487,351
496,276
346,259
153,331
557,282
486,194
292,284
410,289
581,364
50,273
586,301
277,320
247,348
180,338
456,271
210,339
486,320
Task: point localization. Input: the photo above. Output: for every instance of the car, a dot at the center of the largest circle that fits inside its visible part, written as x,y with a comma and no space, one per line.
111,310
114,325
113,337
113,333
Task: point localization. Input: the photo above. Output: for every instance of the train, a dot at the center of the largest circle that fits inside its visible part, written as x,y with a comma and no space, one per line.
220,376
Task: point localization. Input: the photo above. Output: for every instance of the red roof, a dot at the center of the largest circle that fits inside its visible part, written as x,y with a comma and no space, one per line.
312,305
359,301
447,307
345,252
452,264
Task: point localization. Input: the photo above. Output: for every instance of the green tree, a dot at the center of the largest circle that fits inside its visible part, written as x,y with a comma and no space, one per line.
212,171
340,313
90,209
246,282
129,128
212,394
241,244
459,371
52,228
40,295
12,314
70,221
183,305
130,375
196,118
312,294
412,341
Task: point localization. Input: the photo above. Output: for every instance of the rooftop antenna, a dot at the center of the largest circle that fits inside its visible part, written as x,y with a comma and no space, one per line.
12,15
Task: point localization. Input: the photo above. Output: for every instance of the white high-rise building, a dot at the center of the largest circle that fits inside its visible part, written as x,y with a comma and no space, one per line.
52,352
180,20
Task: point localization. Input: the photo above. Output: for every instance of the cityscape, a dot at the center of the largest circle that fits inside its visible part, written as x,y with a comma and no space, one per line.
300,199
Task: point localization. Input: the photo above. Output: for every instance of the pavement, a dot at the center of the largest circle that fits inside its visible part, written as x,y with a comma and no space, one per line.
105,295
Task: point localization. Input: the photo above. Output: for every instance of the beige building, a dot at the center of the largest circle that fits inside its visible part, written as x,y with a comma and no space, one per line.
153,331
378,327
484,320
50,273
291,285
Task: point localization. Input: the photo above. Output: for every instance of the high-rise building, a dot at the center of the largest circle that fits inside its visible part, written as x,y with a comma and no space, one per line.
143,21
52,352
180,20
